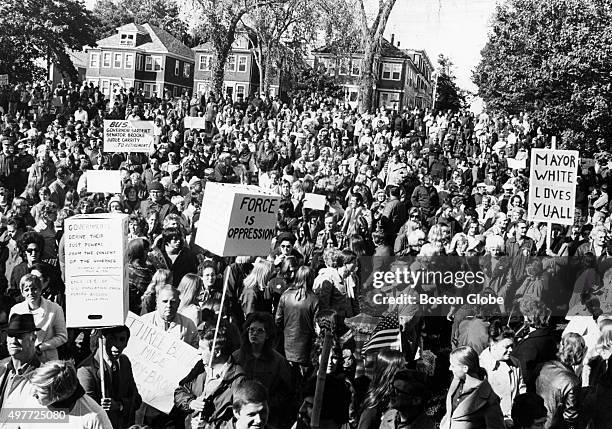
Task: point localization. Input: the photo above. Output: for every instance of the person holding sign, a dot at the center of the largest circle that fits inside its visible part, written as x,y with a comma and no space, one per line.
207,392
122,398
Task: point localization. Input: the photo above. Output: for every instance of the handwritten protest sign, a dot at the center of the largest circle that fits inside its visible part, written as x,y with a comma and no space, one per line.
159,362
4,80
314,201
195,122
237,220
128,136
103,181
517,164
96,270
552,186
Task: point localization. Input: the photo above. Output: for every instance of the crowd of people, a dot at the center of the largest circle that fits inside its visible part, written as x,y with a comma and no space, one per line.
412,189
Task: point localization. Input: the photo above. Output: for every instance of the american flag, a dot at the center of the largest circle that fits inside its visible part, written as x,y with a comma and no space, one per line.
385,335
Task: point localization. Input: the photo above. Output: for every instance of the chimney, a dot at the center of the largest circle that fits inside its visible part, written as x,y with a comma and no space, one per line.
392,39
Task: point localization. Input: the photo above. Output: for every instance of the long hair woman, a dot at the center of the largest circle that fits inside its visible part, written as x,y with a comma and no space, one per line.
295,317
470,401
376,402
190,288
256,295
262,363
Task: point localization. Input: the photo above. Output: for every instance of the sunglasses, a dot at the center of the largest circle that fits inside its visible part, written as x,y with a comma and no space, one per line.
32,250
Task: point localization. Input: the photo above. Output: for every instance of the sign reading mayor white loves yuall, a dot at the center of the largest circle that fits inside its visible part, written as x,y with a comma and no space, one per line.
552,186
128,136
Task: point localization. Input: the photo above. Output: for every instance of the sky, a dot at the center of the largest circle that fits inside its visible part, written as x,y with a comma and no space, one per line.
456,28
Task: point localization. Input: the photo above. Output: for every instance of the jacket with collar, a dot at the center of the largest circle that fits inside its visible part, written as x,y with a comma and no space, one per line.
559,386
506,379
192,386
536,348
19,385
88,374
478,410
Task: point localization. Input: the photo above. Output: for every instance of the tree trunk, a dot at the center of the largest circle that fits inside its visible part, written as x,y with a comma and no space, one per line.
220,54
368,78
260,66
372,39
268,75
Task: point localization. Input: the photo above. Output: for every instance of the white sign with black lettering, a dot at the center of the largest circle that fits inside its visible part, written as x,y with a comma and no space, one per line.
552,186
237,220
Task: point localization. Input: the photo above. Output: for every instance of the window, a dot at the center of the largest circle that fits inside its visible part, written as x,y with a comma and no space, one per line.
149,64
242,63
94,60
139,62
329,64
118,60
154,90
356,67
147,89
105,87
344,66
392,71
187,70
202,88
106,59
129,61
177,91
157,63
239,90
177,68
231,63
205,62
127,40
353,96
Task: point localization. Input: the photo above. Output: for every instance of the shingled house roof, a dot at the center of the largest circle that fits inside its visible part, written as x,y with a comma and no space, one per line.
387,50
155,40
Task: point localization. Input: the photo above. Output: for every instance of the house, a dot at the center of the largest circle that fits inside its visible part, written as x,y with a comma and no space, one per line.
241,70
398,77
144,57
424,79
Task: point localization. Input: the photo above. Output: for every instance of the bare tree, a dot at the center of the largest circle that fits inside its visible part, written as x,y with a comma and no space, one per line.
372,36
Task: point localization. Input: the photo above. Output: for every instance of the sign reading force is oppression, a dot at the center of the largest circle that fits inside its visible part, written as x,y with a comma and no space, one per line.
159,362
552,186
237,220
96,270
128,136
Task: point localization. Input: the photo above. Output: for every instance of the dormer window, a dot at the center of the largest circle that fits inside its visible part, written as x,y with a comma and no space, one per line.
127,39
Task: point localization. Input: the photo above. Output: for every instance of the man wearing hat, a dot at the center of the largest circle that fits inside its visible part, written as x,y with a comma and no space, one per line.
157,201
22,360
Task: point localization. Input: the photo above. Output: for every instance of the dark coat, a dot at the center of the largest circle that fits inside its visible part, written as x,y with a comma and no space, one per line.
536,348
295,318
192,387
559,386
478,410
89,377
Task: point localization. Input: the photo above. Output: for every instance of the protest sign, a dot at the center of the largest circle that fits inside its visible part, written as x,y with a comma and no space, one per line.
314,201
159,362
195,122
4,79
96,270
552,186
517,164
128,136
103,181
237,220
